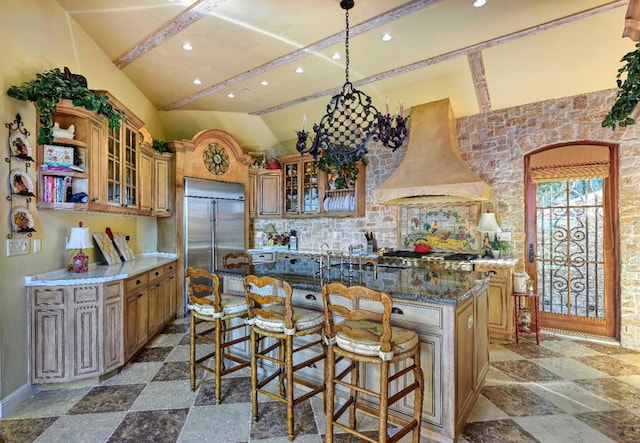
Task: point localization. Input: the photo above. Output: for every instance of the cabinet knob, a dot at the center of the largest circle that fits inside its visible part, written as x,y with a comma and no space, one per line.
138,282
310,297
397,311
157,273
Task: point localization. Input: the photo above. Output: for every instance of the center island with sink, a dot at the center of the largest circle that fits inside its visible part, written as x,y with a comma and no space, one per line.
447,308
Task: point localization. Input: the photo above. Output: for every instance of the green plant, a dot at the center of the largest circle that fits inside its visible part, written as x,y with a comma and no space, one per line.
345,168
628,95
50,87
499,245
160,145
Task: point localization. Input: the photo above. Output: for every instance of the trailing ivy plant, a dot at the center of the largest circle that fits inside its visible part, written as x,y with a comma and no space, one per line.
50,87
160,145
343,166
628,95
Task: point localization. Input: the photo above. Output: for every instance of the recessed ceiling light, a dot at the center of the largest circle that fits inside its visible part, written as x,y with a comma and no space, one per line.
479,3
336,56
299,70
231,95
264,83
197,81
386,37
187,47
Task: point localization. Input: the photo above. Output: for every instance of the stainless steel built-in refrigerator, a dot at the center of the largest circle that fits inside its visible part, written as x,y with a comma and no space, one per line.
213,220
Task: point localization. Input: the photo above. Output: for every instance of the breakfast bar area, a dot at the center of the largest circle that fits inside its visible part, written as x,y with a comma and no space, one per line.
447,309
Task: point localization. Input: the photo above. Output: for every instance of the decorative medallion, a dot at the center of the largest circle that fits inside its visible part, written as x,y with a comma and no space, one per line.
216,159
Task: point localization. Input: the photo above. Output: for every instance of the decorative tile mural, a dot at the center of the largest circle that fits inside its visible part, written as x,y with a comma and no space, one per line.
451,228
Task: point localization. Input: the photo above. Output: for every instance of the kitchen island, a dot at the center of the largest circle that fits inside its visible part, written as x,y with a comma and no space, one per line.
448,309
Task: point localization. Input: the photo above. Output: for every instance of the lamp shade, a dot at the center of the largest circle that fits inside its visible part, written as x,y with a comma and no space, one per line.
270,229
488,223
79,239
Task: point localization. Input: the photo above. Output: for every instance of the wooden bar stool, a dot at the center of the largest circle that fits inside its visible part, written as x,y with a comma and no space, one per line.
207,305
271,315
365,337
236,260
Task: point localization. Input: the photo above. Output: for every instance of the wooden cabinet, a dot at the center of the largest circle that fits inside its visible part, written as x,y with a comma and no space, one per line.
500,300
112,323
73,331
57,182
155,182
150,302
310,193
113,171
265,192
136,314
162,184
301,189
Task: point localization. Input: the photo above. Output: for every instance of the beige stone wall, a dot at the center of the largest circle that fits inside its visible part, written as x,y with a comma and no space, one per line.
494,145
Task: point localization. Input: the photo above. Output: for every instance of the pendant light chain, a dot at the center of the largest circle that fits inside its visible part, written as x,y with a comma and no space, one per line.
346,45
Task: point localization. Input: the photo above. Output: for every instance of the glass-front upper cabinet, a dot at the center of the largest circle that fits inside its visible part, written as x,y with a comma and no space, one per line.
122,161
301,195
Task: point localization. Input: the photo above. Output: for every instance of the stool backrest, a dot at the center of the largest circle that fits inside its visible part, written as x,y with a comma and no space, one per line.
340,304
236,260
200,284
268,291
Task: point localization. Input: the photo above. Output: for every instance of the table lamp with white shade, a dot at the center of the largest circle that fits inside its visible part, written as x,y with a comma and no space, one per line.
486,225
80,238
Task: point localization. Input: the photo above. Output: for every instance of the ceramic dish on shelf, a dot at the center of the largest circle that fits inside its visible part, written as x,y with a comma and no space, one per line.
21,183
21,219
20,146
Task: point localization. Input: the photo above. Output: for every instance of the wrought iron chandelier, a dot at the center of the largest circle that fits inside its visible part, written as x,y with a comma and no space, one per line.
352,120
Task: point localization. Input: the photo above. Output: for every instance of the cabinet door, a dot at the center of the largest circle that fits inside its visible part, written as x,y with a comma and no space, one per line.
87,327
131,167
252,203
135,317
482,336
146,181
155,305
169,293
47,325
113,333
96,161
162,185
269,194
500,301
465,354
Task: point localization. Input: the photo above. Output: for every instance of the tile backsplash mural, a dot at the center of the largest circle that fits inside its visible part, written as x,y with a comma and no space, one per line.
450,227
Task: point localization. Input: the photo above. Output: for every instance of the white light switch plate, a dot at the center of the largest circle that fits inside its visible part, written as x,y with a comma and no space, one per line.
17,246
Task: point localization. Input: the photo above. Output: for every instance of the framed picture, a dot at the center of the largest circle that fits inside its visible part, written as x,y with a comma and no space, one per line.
55,155
20,147
21,183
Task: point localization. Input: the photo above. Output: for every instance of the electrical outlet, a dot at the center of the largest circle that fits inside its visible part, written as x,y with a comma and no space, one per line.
36,246
504,236
17,246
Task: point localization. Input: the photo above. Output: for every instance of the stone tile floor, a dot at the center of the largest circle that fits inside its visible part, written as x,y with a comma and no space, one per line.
565,390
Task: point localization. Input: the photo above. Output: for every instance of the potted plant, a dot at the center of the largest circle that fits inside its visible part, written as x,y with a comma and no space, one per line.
50,87
160,145
628,95
343,168
499,248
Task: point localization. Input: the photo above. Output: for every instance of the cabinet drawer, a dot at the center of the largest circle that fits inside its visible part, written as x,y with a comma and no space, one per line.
86,294
409,315
136,282
112,290
168,269
263,257
47,297
156,273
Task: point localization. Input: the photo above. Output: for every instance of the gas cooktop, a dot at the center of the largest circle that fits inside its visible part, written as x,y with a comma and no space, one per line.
449,260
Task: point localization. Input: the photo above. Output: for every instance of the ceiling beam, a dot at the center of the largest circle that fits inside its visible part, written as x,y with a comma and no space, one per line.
186,18
456,53
476,63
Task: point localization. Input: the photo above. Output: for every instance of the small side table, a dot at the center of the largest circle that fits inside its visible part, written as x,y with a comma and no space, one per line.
518,297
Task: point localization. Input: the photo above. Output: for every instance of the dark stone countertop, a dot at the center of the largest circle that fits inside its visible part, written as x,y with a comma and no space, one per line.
426,284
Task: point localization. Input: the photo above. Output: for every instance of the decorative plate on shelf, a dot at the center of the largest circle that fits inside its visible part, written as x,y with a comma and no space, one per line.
21,219
20,146
21,183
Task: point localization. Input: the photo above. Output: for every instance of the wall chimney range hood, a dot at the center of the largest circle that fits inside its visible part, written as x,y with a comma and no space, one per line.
432,170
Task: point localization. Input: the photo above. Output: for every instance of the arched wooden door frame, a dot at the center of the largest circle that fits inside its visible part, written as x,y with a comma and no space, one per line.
610,328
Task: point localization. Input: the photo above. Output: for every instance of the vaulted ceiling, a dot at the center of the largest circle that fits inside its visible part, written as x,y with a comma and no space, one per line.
504,54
